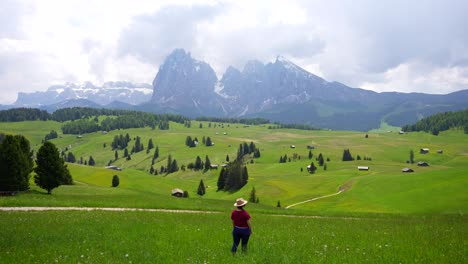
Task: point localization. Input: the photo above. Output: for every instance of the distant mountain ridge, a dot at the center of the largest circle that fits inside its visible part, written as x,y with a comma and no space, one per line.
282,91
109,92
279,90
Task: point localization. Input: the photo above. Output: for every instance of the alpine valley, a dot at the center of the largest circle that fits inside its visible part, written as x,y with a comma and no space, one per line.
279,91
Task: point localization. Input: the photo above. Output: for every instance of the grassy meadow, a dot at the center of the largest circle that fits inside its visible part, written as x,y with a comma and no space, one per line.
383,215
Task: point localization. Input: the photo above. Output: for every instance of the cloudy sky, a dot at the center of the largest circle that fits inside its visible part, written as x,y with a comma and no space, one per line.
384,45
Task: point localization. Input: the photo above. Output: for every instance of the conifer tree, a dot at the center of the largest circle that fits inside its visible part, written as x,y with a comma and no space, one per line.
253,195
70,157
91,161
221,179
201,188
207,163
51,169
16,163
115,181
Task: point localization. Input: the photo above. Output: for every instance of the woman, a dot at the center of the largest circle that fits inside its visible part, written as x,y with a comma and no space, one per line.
241,222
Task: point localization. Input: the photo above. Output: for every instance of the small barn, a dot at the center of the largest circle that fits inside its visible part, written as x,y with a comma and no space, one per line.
177,192
424,151
310,147
440,151
423,164
407,170
363,168
113,168
214,166
401,132
292,146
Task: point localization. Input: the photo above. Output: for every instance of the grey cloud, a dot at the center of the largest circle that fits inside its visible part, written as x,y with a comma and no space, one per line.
152,37
263,43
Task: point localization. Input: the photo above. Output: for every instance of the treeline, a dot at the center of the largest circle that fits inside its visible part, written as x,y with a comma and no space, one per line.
292,126
76,113
23,114
245,121
131,119
441,122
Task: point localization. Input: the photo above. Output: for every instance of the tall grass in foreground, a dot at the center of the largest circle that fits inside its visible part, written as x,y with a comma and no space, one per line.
155,237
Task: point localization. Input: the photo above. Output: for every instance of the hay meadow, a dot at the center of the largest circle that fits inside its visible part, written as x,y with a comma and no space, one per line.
382,215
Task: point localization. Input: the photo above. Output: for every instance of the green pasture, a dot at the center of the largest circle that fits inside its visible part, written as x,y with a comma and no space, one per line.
384,189
159,237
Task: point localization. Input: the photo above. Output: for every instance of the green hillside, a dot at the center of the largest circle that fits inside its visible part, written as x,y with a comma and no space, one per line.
438,188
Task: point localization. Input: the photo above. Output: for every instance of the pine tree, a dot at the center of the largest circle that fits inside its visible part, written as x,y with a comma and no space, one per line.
150,145
411,156
169,163
221,179
253,195
174,166
115,181
207,163
51,169
278,204
125,153
16,163
312,168
198,163
91,161
320,160
116,155
201,188
71,157
227,158
209,143
310,154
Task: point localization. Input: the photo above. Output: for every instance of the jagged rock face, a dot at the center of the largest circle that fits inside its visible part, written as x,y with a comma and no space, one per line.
186,84
183,76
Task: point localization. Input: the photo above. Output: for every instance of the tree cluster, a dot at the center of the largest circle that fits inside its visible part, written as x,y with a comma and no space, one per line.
189,142
347,155
246,121
233,177
441,122
247,149
138,146
278,125
120,141
52,134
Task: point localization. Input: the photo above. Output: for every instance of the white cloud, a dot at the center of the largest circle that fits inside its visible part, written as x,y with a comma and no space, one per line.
420,77
381,45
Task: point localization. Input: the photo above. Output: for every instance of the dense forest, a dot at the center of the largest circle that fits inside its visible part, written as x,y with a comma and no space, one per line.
441,122
245,121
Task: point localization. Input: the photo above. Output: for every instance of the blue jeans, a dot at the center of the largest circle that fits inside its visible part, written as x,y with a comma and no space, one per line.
240,234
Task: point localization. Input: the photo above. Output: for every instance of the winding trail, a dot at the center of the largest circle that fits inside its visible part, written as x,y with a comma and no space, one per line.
314,199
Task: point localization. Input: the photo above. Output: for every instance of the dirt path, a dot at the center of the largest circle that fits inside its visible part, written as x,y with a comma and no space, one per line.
32,208
342,188
314,199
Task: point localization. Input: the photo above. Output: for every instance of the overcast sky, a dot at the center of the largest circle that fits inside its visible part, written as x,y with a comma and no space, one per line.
381,45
